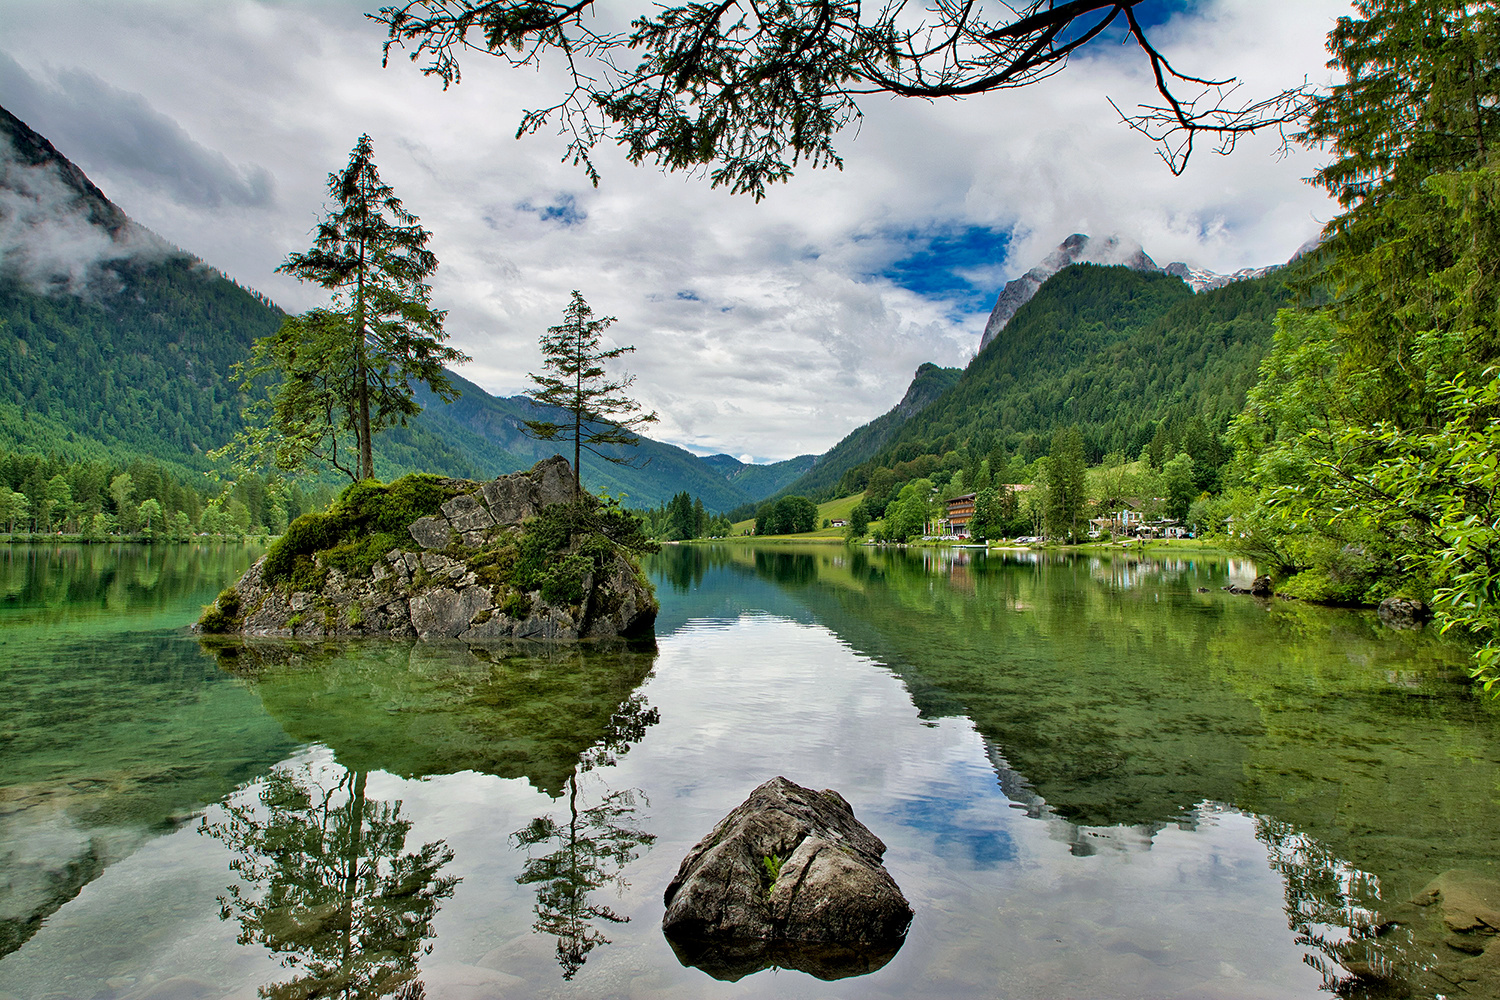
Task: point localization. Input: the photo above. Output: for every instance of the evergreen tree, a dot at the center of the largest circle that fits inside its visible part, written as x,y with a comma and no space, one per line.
1067,495
350,368
576,381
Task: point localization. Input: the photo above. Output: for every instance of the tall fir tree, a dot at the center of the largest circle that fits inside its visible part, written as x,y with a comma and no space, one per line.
373,252
575,380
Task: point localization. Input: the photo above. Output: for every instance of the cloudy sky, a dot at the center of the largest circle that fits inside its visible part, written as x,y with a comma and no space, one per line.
762,330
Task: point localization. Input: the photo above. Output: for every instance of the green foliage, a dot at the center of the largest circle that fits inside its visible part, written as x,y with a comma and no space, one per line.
1177,477
909,512
599,414
366,521
141,367
225,614
1066,487
787,516
565,543
772,864
349,368
859,522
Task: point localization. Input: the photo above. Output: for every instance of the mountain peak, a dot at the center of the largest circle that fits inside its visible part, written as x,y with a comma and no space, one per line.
1076,249
57,229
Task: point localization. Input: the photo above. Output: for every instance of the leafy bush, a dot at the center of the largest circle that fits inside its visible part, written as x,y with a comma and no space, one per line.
365,522
357,556
224,614
563,581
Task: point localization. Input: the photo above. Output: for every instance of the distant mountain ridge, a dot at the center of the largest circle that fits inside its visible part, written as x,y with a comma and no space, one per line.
1113,250
118,345
928,385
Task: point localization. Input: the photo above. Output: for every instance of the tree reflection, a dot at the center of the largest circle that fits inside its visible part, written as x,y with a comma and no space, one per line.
328,886
590,850
1331,907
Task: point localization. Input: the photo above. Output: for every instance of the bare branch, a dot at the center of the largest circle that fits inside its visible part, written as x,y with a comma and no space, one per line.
746,90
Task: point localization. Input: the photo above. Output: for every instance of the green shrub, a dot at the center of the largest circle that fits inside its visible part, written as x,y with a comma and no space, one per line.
304,536
224,614
357,556
516,604
366,521
562,583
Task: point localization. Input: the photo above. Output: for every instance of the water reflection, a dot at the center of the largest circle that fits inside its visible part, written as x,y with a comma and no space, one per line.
111,736
524,710
591,848
326,884
1121,696
45,584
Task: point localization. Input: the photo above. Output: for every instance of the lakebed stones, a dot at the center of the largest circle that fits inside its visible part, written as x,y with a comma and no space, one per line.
436,593
789,879
1452,923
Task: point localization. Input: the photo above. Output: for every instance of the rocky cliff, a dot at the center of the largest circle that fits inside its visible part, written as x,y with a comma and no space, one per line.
520,557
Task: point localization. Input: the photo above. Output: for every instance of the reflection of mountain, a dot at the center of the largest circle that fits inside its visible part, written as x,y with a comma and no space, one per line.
1110,692
1115,699
87,776
525,711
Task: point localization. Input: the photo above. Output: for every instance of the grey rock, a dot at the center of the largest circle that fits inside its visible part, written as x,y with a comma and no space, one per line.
1403,612
554,481
451,602
431,532
832,909
443,613
465,513
439,564
510,501
1262,586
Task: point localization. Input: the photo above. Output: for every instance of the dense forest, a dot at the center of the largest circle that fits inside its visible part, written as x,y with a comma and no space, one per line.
47,494
140,370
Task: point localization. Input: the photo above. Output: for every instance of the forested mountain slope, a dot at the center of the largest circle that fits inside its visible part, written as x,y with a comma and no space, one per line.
1119,353
928,385
1112,351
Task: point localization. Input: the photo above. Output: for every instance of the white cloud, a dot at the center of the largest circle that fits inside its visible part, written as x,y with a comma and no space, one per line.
786,342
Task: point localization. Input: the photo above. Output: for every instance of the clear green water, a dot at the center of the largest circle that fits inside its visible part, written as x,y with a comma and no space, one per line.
1094,779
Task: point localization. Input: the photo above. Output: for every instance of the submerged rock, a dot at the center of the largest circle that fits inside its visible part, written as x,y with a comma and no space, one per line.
463,570
790,879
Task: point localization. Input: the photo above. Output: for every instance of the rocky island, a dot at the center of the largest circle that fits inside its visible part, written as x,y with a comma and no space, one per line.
524,556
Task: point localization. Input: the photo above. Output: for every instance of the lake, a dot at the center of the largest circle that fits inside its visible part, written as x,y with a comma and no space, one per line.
1095,777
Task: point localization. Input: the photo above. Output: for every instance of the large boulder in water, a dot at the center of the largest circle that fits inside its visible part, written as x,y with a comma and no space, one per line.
791,879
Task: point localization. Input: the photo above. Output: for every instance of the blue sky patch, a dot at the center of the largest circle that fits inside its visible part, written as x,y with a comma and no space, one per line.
1150,14
960,266
564,211
970,837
